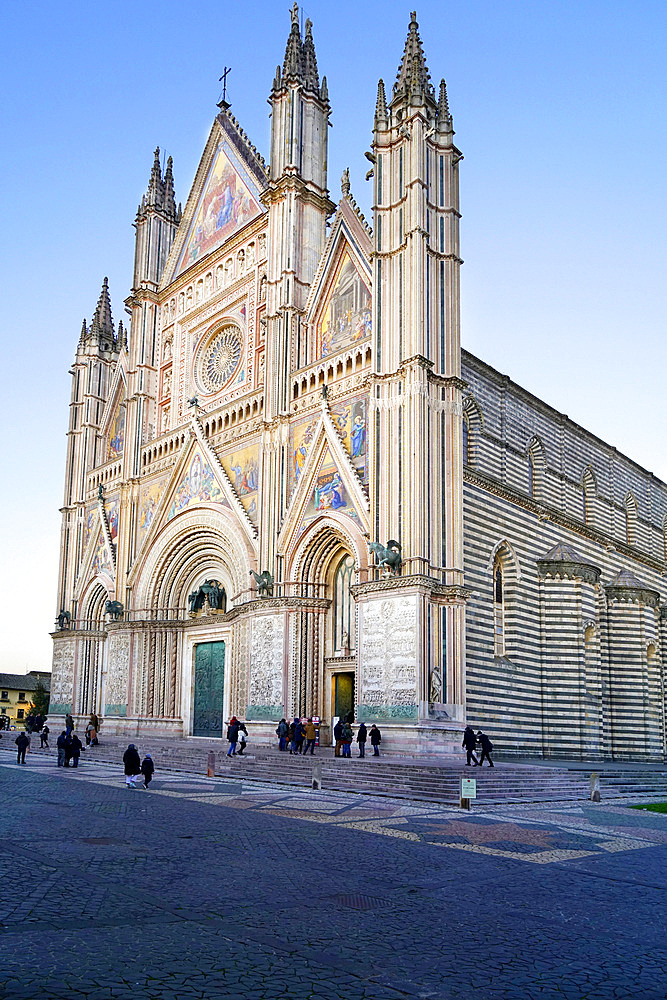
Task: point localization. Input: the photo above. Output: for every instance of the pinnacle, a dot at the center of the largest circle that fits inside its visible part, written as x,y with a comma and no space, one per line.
413,79
381,103
102,323
444,117
310,75
293,64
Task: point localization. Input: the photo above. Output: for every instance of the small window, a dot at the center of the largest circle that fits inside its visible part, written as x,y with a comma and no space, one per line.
465,443
21,695
19,714
3,711
531,477
5,695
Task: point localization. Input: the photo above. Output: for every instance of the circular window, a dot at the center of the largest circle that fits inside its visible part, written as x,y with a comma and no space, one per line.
219,359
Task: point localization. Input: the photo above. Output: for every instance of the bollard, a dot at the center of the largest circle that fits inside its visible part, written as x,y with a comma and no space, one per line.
317,776
210,771
595,787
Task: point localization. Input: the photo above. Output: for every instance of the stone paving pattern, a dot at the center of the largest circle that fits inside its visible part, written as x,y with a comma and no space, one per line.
211,888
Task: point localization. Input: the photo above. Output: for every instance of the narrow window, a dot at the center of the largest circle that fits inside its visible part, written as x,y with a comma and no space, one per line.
531,477
344,621
498,611
466,460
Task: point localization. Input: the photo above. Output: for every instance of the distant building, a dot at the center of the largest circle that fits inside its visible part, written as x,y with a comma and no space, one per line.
16,691
291,395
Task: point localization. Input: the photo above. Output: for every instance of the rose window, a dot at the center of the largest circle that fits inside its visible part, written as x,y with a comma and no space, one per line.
219,359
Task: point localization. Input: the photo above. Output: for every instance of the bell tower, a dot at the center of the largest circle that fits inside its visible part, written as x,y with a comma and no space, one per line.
299,205
416,411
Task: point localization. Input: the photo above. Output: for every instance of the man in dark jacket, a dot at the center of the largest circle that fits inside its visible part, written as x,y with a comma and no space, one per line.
376,738
22,742
132,765
44,738
487,747
61,744
362,736
338,736
281,733
76,747
299,735
469,743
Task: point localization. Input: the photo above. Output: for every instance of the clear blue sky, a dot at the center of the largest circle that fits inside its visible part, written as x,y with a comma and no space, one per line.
559,109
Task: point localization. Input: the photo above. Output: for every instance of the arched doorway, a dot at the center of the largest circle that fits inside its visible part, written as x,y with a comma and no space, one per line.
89,695
324,674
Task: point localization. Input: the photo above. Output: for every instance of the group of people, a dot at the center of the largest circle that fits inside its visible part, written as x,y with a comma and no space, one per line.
135,767
471,741
299,737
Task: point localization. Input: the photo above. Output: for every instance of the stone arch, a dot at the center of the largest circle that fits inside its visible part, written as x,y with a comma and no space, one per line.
301,559
630,519
91,605
536,468
590,496
194,546
88,676
505,575
473,422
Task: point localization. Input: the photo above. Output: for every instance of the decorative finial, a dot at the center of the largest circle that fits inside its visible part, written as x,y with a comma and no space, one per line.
345,182
224,103
295,13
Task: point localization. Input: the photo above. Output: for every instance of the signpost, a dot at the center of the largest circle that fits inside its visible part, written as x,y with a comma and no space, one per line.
468,792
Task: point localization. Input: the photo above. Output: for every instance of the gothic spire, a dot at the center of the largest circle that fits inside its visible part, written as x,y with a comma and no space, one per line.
310,75
293,64
155,184
169,200
413,80
444,117
380,105
102,324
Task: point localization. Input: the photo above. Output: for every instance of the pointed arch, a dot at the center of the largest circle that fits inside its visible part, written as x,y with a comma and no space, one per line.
473,424
630,519
536,468
505,574
590,496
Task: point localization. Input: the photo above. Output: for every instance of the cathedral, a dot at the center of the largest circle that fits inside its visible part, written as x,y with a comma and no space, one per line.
289,491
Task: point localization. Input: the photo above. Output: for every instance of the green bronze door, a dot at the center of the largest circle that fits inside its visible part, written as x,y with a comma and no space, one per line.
209,688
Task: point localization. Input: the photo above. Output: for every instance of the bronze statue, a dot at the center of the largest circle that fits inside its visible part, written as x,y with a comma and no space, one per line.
264,583
388,555
211,589
64,618
115,609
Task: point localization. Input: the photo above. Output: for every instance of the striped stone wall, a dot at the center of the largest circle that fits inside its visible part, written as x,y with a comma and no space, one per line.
582,670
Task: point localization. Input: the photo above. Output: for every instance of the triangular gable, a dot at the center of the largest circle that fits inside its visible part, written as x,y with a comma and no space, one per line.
98,556
112,424
197,478
328,483
225,197
339,305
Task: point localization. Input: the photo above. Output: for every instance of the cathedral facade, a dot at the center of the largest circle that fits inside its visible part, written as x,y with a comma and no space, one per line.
290,492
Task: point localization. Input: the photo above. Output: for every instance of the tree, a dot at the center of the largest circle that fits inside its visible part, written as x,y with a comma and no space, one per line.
40,701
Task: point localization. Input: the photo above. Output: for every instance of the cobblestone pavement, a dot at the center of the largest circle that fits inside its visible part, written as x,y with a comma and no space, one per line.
206,888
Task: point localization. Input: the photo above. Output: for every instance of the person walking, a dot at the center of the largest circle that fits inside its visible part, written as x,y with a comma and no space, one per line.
68,748
311,736
76,747
376,739
44,738
61,745
282,733
22,742
338,736
132,765
69,724
147,769
487,748
232,735
243,733
362,736
469,743
346,738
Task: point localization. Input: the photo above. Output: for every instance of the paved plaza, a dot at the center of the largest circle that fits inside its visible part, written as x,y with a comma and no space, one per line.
216,888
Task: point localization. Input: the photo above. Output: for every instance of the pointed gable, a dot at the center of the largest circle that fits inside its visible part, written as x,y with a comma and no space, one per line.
339,304
198,484
225,196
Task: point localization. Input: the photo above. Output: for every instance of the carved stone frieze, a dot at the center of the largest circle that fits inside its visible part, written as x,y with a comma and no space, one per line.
388,655
62,677
118,668
267,644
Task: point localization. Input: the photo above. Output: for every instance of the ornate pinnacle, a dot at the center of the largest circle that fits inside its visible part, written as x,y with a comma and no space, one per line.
169,200
293,63
413,80
102,320
310,74
380,104
324,90
155,185
444,117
